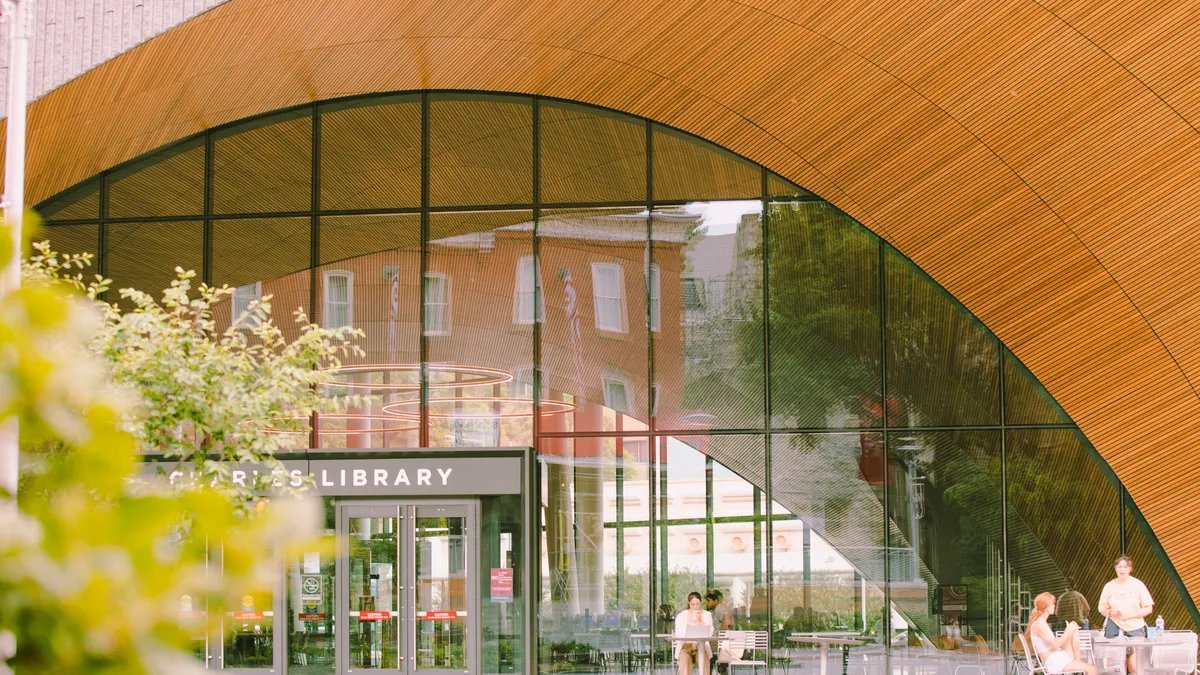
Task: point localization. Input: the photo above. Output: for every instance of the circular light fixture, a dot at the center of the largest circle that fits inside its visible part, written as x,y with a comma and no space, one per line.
400,424
547,408
479,376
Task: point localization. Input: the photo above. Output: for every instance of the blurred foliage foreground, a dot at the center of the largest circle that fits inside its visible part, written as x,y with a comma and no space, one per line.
95,565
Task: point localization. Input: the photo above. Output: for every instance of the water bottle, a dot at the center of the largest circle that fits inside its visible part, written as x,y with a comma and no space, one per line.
1158,627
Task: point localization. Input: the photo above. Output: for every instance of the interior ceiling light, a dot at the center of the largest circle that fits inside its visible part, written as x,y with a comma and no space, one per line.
517,407
478,376
397,424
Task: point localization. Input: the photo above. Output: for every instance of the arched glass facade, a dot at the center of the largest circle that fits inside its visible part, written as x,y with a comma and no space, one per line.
737,386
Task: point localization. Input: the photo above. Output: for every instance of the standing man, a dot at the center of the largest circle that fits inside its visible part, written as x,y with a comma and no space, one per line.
1125,603
1072,606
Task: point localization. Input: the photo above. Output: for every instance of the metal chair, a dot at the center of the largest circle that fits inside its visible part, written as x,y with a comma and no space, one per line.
1179,657
639,649
611,649
745,643
1034,660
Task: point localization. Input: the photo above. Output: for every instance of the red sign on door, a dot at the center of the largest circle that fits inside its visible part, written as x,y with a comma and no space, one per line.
374,616
312,616
441,616
502,584
247,616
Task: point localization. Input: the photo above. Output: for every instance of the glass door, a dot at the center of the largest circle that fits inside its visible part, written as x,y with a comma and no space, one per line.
445,638
406,590
247,641
369,589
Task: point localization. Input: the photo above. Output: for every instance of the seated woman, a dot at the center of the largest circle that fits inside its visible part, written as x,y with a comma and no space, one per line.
692,622
1058,654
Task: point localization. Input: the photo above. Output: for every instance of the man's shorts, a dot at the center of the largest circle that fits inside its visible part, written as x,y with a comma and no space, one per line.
1112,630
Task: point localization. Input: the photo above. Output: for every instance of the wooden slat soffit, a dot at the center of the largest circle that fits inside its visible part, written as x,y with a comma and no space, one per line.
1040,160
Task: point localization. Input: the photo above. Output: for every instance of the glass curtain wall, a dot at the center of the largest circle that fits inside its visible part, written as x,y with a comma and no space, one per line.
734,388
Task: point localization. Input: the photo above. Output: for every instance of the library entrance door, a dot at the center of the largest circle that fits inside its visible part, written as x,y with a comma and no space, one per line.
406,591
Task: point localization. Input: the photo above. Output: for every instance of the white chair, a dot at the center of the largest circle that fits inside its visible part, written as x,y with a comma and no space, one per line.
746,647
1180,657
1034,660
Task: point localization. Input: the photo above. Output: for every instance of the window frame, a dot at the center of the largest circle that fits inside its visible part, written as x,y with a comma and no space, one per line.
537,294
621,379
622,311
701,294
325,300
447,282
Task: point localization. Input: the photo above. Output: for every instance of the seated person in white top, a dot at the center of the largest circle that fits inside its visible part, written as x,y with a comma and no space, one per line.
1058,654
693,622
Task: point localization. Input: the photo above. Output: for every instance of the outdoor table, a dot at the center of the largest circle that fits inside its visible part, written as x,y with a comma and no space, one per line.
824,641
1143,648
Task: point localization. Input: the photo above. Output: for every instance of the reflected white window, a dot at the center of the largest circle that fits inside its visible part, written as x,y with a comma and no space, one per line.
617,393
529,279
693,294
437,303
655,298
608,296
243,297
339,299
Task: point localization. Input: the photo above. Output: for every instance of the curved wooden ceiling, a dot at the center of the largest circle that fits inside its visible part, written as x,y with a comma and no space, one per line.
1040,159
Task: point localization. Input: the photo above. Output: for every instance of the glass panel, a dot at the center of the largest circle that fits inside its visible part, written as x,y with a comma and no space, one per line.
711,527
274,251
579,354
372,595
81,202
778,186
943,365
144,256
682,549
168,183
249,632
378,258
687,168
595,565
71,239
947,546
480,150
503,573
371,153
591,155
311,603
1148,566
1063,515
1026,401
825,319
264,165
827,544
470,304
441,611
708,354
